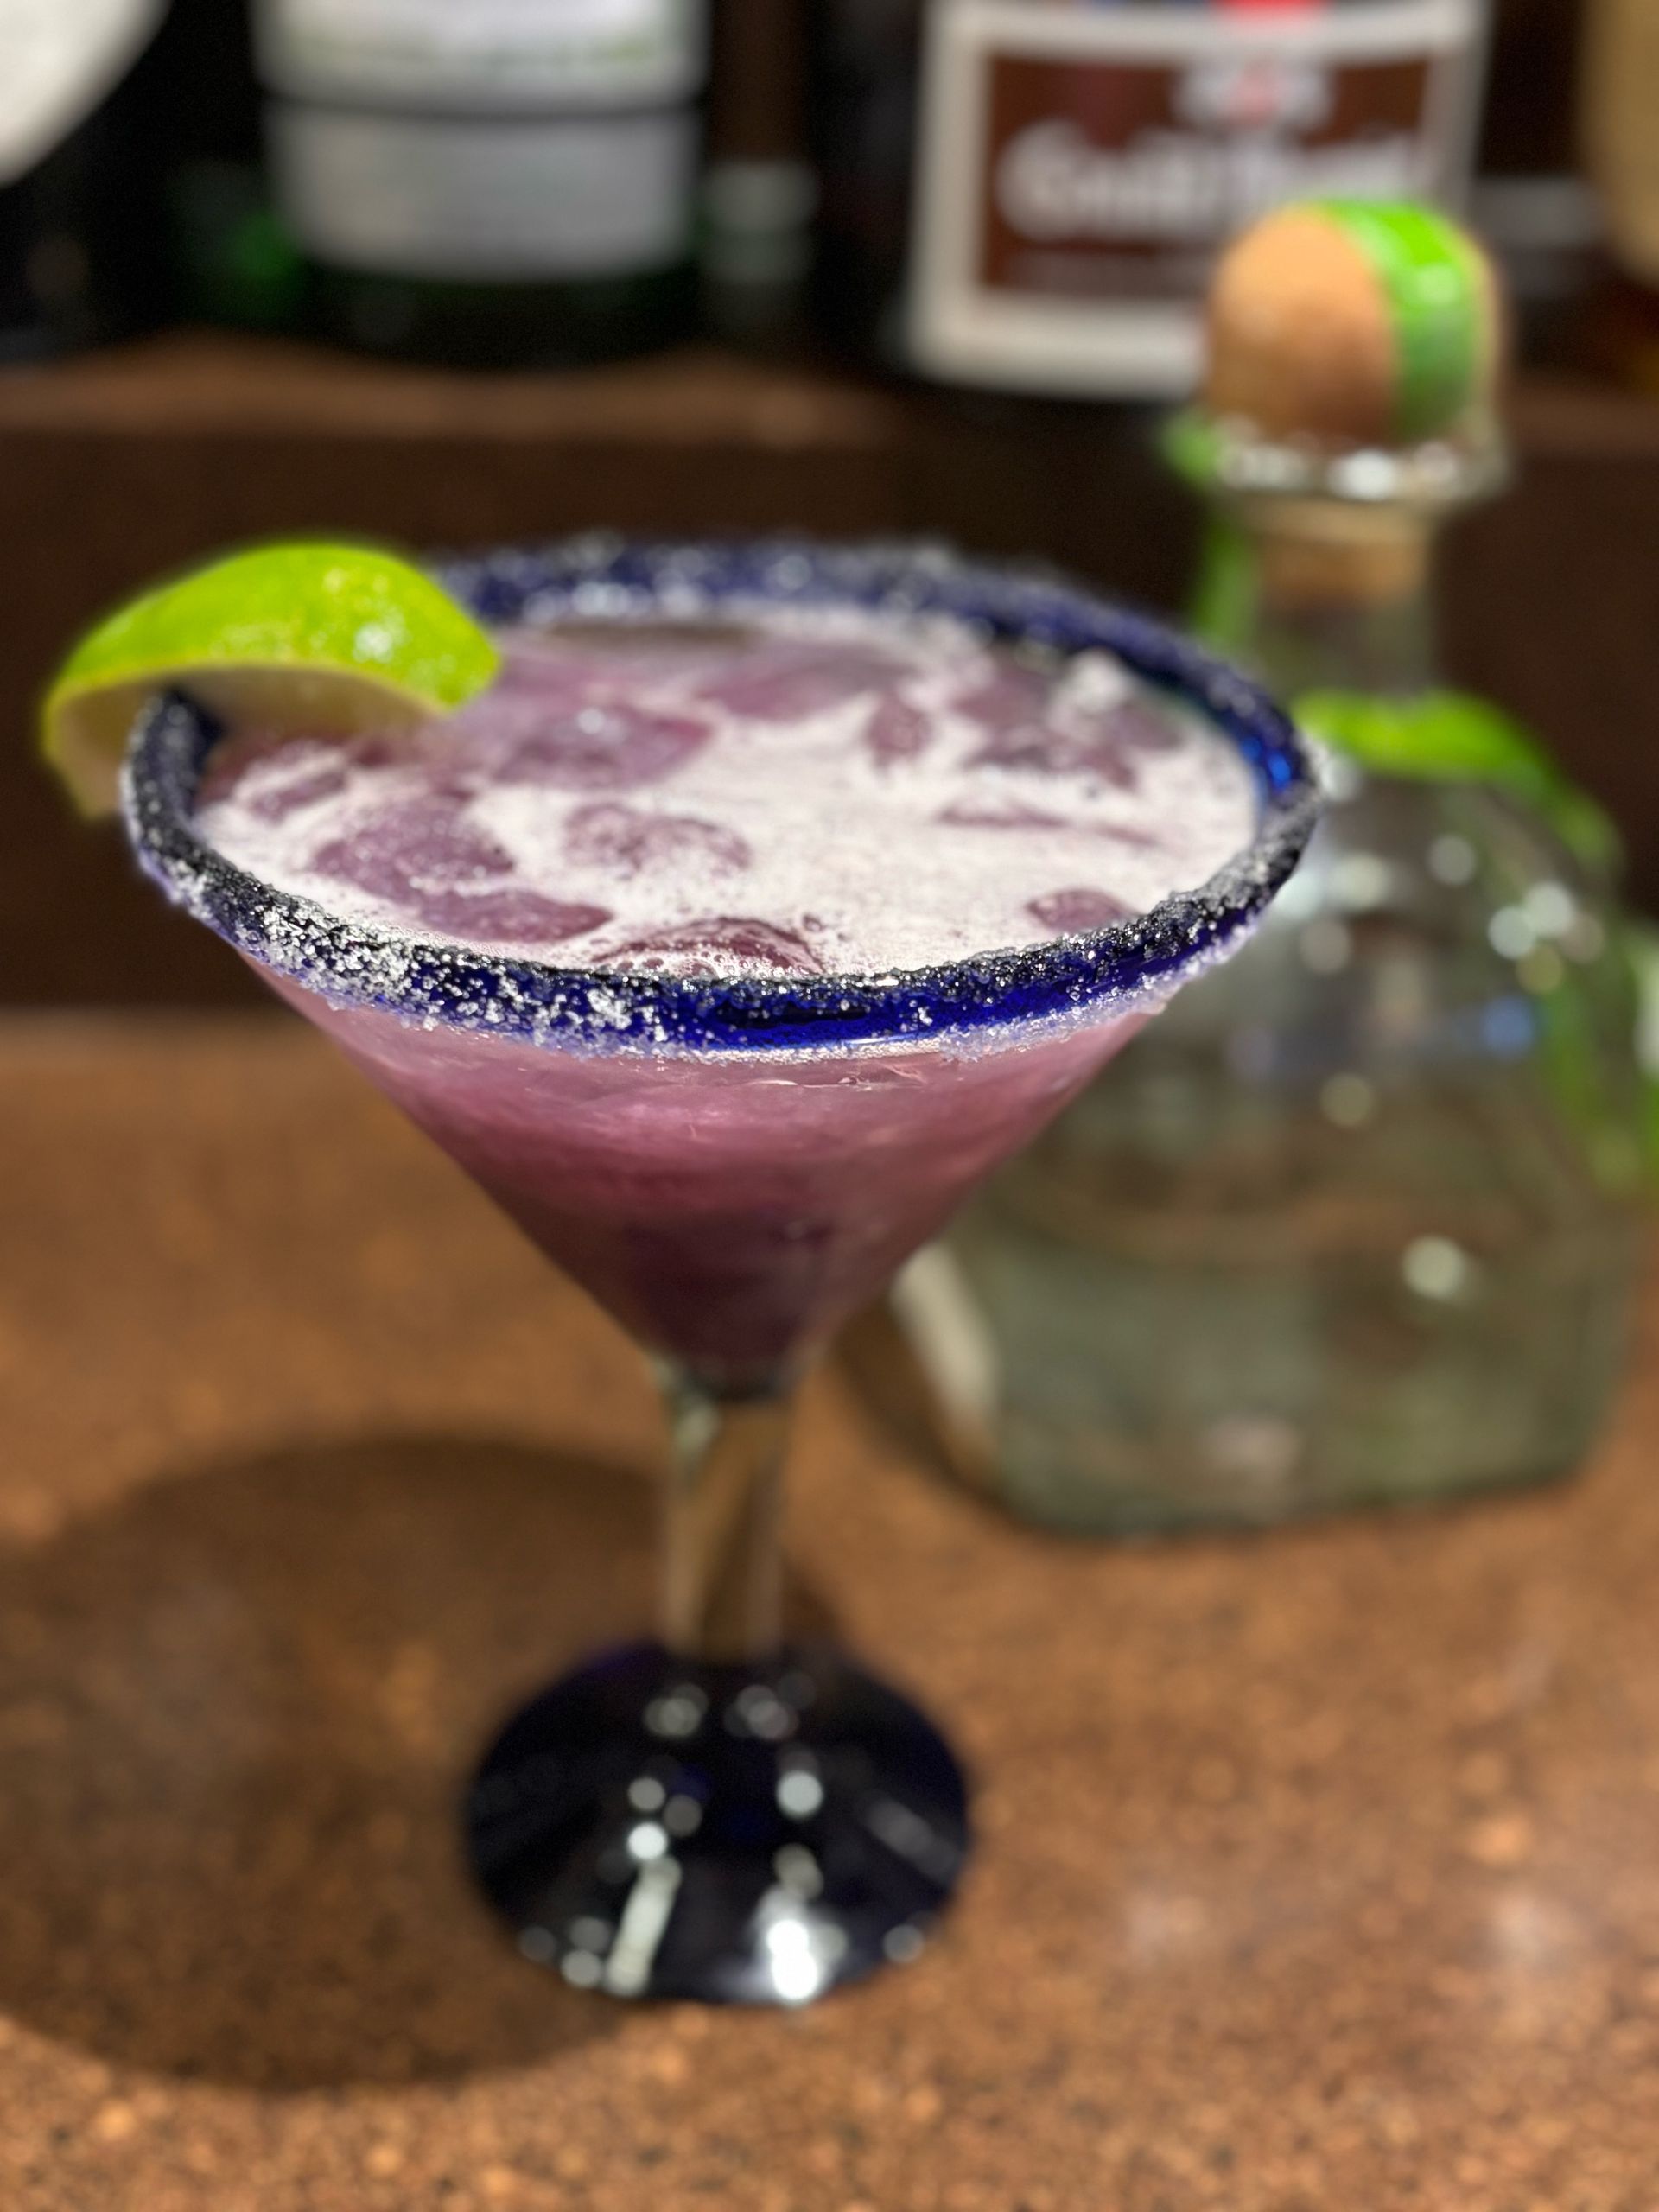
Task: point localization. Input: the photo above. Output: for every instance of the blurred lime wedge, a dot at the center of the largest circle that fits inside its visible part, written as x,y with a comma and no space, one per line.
300,636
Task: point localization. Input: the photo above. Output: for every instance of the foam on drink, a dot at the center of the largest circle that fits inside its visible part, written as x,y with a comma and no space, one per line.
825,790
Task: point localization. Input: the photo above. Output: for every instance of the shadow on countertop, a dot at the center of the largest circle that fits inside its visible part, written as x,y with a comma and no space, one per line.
238,1711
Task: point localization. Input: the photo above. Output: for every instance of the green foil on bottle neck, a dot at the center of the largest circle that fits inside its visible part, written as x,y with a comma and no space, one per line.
1444,736
1432,279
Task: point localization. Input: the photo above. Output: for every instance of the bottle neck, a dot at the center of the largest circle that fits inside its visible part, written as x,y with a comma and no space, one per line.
1322,593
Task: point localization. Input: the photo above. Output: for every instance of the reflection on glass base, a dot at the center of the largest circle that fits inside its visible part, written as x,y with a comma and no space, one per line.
746,1835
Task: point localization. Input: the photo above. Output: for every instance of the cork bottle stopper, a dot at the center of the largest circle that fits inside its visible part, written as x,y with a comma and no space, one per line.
1353,323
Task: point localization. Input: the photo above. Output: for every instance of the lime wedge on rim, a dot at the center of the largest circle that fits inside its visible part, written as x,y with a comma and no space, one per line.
298,637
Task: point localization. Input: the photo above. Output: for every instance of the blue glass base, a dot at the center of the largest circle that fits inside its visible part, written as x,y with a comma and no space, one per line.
752,1834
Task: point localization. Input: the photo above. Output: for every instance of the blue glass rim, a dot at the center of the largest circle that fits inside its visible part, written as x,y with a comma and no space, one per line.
428,980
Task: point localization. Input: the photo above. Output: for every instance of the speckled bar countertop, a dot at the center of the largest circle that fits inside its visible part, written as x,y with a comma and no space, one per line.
1318,1873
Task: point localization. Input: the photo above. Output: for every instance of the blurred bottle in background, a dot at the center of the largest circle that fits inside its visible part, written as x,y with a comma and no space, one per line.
759,191
1028,194
1619,126
505,183
1535,212
233,260
81,251
1359,1219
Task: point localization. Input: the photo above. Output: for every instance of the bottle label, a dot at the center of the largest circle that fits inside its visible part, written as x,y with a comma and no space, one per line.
1077,167
498,201
63,59
483,56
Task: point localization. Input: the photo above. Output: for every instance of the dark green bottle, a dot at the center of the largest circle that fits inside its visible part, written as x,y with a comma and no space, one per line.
233,259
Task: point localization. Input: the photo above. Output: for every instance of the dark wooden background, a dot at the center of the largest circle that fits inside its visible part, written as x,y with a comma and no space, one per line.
118,466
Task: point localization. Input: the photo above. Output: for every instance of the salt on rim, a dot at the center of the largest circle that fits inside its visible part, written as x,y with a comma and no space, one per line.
434,982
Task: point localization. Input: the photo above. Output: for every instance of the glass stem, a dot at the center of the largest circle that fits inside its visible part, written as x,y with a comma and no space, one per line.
724,1584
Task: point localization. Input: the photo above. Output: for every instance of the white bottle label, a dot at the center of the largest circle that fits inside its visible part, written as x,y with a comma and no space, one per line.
483,56
498,201
59,60
1077,167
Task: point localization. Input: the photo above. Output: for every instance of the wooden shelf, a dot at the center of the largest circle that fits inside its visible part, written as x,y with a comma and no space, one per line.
211,384
122,465
1564,418
206,381
216,384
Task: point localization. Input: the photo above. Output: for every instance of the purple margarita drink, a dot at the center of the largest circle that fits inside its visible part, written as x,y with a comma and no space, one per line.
833,792
767,899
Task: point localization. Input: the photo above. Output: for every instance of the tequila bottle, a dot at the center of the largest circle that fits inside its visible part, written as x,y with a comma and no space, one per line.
1359,1219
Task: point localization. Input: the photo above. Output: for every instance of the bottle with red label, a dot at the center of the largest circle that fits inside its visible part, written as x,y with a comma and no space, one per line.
1028,194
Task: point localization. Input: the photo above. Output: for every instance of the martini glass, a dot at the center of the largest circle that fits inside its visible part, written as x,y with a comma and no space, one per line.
731,1166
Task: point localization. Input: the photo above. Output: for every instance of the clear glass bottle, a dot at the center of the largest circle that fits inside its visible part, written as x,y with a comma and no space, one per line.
1359,1219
